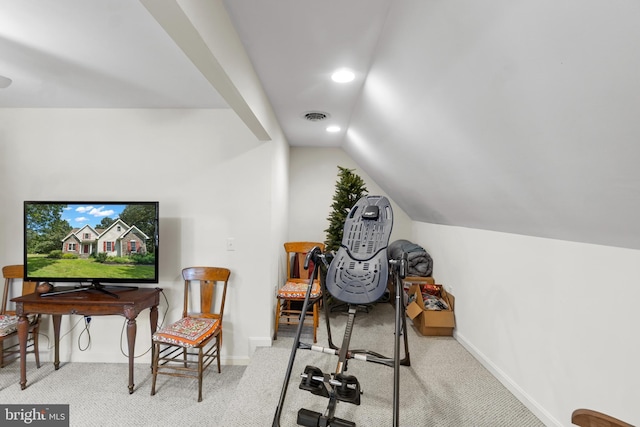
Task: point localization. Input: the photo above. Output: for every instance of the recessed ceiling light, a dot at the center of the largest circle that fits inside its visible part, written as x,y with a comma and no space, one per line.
333,129
343,76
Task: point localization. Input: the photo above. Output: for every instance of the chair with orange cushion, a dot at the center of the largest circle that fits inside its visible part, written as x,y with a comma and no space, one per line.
291,295
188,346
590,418
9,321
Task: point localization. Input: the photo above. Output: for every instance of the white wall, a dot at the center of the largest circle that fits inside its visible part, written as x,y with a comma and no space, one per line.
312,181
279,230
556,321
213,180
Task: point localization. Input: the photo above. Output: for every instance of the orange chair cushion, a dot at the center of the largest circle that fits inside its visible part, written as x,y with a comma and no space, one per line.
297,289
187,332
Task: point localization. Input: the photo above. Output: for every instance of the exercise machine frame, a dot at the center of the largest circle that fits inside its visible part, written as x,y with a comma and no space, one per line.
338,386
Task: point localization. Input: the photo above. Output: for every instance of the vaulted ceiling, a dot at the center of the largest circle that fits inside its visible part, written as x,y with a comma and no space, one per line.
506,115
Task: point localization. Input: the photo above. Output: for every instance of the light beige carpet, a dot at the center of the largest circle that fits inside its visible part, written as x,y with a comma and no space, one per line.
444,386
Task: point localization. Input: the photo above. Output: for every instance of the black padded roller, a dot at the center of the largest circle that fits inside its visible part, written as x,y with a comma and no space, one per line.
308,418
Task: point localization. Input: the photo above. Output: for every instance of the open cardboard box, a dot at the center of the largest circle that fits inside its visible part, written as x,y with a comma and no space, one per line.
431,322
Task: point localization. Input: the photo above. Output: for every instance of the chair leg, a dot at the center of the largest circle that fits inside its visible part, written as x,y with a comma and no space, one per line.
1,354
200,374
275,329
184,357
154,368
287,308
218,344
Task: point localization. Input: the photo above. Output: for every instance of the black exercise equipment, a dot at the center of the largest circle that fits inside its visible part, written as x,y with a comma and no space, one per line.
357,275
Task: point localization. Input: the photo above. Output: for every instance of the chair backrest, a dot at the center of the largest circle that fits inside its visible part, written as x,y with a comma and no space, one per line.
10,274
293,249
207,278
590,418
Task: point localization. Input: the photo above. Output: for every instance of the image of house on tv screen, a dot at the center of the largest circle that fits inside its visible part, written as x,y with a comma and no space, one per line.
87,241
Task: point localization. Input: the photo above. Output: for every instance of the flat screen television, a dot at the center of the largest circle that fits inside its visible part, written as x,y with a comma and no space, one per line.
91,243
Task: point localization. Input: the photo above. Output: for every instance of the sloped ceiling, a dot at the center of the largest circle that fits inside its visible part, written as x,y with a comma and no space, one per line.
94,54
506,115
514,116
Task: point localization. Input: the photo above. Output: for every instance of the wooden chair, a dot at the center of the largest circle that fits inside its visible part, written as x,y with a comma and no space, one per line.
291,295
9,321
590,418
188,346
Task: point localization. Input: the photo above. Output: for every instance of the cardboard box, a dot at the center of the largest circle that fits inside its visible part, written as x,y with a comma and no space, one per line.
418,280
407,282
431,322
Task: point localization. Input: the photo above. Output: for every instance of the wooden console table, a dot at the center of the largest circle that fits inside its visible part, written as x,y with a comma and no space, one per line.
90,303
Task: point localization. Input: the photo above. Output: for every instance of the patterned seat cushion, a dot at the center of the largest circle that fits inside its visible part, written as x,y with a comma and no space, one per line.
298,289
9,323
187,332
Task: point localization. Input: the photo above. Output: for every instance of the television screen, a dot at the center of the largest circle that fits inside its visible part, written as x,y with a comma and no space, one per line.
112,242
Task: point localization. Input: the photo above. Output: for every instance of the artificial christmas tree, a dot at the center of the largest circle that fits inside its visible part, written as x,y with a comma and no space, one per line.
349,189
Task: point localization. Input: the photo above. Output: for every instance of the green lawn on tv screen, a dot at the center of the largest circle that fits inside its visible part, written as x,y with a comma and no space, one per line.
86,267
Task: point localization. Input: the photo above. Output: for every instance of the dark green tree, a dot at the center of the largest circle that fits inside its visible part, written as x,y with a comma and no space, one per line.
46,228
349,189
105,223
143,217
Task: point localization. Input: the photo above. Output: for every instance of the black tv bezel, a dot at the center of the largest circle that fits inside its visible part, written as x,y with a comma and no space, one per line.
93,280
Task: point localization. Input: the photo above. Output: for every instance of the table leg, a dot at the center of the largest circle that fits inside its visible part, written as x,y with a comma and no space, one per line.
153,320
131,338
56,340
23,333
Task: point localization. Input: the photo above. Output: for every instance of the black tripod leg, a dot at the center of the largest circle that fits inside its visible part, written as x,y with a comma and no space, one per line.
407,359
296,341
292,358
396,355
327,313
400,328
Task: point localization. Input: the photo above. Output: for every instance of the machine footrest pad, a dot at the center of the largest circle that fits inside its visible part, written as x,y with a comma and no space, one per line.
315,386
349,390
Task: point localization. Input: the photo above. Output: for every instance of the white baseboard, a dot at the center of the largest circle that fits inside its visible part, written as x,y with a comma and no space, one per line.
255,342
520,394
47,357
235,361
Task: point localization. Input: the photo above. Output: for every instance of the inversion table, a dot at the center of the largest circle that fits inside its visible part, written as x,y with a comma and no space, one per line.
357,275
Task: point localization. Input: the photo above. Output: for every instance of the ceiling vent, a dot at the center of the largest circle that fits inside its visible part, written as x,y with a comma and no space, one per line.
315,116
